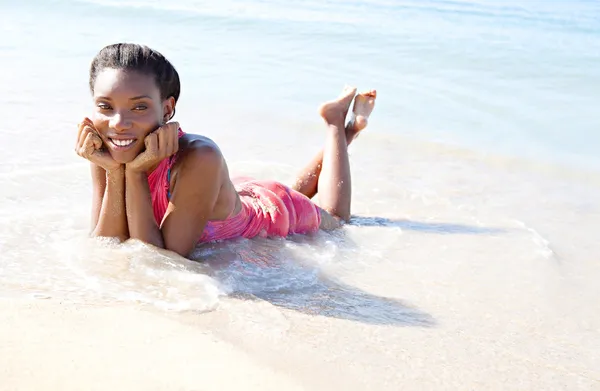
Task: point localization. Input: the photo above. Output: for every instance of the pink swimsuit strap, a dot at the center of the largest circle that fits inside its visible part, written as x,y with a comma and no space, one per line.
159,182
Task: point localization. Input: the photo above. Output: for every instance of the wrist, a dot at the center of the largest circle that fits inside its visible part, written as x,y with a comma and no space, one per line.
132,169
131,172
119,170
115,175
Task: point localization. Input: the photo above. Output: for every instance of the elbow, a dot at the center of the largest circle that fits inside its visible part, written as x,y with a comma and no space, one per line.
99,235
180,249
186,253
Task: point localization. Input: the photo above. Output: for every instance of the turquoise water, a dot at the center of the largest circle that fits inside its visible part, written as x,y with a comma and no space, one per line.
503,77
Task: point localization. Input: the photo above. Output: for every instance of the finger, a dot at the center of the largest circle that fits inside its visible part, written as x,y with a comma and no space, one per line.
82,137
175,138
97,141
171,132
163,142
174,128
91,125
87,147
79,131
170,127
98,156
88,130
174,145
80,126
151,143
88,121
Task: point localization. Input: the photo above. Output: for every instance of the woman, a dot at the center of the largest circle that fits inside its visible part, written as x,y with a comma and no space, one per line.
154,183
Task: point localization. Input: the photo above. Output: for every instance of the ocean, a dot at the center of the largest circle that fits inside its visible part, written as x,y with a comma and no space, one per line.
475,186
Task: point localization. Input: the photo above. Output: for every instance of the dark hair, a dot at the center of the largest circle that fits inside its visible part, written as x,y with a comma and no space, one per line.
140,58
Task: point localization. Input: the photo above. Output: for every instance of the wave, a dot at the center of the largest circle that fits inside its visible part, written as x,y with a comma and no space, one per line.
543,247
576,14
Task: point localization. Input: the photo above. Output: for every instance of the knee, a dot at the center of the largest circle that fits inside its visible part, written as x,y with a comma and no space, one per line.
330,220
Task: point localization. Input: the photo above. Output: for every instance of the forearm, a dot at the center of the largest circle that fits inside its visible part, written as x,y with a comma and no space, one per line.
112,219
140,215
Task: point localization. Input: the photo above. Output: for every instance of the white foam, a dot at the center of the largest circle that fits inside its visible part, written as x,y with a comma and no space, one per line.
542,245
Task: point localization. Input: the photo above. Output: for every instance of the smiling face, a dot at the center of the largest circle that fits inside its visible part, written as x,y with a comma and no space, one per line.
128,107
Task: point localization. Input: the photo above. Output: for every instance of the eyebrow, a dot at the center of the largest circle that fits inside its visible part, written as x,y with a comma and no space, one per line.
141,97
134,98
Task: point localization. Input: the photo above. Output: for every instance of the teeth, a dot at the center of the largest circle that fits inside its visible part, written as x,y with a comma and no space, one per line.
121,143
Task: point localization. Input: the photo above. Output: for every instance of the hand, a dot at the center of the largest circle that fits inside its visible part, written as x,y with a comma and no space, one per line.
160,144
89,146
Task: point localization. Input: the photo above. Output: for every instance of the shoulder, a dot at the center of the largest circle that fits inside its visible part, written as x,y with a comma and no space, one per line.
198,154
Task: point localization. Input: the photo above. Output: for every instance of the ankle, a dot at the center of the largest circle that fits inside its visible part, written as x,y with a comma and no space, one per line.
337,130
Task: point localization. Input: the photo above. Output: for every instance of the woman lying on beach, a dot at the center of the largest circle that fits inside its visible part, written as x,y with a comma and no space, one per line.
153,182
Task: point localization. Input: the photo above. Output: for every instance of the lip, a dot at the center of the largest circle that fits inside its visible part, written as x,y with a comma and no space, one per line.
121,136
120,148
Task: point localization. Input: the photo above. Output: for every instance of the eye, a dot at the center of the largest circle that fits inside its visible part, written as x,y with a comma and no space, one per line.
140,107
103,106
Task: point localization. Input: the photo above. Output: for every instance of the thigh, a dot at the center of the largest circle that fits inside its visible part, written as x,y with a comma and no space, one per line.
304,215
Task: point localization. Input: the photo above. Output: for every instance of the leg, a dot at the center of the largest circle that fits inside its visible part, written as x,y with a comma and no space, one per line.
308,179
334,184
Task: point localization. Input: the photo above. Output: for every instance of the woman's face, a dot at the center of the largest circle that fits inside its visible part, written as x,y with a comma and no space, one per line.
127,108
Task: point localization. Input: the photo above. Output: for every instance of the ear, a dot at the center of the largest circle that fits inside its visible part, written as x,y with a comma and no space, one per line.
168,109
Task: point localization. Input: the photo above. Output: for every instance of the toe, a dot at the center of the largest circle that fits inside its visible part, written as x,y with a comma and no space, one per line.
372,94
349,90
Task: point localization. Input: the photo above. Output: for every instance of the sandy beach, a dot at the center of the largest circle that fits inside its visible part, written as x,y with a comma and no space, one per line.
46,345
49,345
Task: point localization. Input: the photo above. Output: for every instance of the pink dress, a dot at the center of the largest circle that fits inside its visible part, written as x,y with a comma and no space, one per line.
269,208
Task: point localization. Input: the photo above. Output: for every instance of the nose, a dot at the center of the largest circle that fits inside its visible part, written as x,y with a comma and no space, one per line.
119,122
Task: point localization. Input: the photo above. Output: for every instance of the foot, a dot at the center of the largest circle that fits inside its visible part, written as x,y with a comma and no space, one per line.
363,107
335,111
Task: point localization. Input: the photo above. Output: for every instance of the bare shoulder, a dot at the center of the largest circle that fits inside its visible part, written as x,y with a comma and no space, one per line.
198,154
202,173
